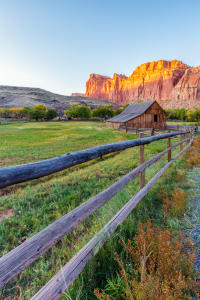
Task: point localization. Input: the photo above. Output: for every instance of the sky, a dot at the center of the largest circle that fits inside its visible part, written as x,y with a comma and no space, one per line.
56,44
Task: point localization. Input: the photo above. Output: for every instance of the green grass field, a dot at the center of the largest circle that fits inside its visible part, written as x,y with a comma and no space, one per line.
36,204
178,122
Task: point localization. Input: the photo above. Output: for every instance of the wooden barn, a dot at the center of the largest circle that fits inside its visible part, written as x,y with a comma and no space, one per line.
140,115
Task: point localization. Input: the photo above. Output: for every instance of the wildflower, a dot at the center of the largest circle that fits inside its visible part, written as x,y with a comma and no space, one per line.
95,222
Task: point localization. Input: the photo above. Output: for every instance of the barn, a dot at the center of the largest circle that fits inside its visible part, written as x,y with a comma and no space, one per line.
140,115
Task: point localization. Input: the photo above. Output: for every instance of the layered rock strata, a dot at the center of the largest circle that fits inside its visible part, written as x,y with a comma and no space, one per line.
171,83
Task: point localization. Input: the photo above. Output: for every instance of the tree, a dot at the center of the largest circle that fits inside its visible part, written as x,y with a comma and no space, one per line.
196,113
118,111
5,112
17,113
83,111
190,115
125,106
72,112
26,111
51,113
36,114
103,112
40,107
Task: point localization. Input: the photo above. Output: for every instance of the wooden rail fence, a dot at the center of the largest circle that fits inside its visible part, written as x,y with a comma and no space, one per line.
153,131
22,256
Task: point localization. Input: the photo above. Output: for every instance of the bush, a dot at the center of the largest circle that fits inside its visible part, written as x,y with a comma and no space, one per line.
157,266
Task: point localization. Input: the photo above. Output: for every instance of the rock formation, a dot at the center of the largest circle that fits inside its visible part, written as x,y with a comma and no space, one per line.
171,83
187,90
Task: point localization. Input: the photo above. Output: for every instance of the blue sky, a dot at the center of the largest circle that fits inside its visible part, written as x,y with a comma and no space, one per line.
56,45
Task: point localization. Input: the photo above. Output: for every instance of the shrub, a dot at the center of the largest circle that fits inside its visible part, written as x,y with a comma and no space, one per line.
160,266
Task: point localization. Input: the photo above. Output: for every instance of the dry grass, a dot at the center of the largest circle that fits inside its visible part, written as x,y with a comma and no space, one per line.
6,214
161,265
193,155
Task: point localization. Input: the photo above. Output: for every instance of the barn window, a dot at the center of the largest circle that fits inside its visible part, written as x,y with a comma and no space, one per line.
155,118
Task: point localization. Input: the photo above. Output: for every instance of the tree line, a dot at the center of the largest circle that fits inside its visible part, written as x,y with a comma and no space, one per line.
75,111
84,112
37,112
191,115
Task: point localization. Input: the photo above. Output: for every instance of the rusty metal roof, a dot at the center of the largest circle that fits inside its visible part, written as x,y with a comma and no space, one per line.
131,112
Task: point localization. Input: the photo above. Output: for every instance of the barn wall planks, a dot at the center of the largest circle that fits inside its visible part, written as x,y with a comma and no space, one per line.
145,120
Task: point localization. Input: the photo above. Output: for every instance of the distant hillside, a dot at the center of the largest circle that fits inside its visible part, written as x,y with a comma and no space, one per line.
12,96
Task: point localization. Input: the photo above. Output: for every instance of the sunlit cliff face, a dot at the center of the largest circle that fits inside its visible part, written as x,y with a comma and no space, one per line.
150,81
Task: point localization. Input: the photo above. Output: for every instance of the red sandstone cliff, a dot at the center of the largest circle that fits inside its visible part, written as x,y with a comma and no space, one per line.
186,93
171,83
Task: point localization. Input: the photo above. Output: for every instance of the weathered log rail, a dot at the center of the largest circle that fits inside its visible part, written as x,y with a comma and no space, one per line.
26,172
22,256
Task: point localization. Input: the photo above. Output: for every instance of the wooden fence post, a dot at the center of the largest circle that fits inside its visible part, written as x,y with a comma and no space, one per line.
152,132
126,129
168,146
187,135
136,130
142,174
181,145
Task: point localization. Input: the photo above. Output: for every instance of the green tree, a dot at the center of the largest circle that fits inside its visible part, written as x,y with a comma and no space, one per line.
36,114
40,107
51,113
72,111
190,115
170,114
125,106
196,113
103,112
83,111
118,111
26,111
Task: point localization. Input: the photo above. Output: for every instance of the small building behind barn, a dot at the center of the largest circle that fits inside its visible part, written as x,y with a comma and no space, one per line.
141,115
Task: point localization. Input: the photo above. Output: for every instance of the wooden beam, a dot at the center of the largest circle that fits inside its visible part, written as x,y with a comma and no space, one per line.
181,145
142,174
168,146
21,173
22,256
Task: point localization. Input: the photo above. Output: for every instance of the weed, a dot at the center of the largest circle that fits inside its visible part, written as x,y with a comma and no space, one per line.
160,266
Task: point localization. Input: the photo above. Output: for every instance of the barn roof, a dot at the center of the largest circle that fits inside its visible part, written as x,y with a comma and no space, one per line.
131,112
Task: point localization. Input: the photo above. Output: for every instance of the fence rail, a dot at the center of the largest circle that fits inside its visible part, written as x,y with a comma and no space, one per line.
26,172
22,256
154,131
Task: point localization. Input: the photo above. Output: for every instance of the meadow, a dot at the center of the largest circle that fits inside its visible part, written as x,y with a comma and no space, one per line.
34,205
